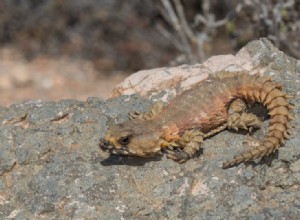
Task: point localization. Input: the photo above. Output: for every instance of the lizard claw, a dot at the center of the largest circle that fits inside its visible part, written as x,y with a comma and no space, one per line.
134,115
178,155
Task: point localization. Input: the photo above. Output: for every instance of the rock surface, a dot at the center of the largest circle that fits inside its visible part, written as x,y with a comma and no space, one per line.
51,166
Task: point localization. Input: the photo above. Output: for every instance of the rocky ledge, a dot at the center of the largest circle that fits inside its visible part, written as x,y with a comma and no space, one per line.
52,168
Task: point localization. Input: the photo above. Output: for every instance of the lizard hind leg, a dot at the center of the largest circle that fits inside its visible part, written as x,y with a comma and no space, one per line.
238,118
187,147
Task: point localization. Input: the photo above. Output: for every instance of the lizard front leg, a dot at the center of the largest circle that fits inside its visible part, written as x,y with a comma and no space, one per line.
238,118
186,147
155,110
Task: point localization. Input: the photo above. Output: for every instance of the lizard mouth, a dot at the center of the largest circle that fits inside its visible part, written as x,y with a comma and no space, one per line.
108,147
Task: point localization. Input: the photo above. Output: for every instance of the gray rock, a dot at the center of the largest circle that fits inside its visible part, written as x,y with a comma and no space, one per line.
295,167
52,168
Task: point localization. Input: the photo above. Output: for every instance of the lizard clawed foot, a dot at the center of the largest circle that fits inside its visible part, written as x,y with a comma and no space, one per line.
238,118
134,115
178,155
245,121
155,110
186,147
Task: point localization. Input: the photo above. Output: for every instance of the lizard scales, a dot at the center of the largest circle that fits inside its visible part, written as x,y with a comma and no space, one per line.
200,112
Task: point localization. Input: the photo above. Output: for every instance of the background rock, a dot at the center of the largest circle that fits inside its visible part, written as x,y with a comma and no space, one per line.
177,79
51,166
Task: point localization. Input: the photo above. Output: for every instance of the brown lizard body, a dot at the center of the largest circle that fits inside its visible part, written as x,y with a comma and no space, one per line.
180,127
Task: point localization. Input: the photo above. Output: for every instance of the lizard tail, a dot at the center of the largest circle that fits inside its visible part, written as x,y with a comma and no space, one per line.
264,91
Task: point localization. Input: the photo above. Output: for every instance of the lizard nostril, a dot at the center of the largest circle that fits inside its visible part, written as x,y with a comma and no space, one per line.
104,144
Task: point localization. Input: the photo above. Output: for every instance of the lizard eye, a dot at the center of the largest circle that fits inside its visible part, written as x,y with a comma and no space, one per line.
124,140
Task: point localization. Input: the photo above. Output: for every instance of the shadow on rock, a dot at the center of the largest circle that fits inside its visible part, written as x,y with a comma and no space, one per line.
130,161
267,160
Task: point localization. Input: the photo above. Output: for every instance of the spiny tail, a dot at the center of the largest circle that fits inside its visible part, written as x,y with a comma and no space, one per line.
263,90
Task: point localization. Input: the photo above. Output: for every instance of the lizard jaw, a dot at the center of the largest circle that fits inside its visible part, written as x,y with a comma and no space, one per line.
109,147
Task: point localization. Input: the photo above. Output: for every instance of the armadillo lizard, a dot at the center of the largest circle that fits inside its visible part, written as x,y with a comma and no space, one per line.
180,127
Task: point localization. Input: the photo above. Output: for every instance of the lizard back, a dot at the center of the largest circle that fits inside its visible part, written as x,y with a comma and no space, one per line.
203,107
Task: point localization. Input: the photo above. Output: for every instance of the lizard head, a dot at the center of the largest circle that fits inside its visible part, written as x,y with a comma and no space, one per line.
132,138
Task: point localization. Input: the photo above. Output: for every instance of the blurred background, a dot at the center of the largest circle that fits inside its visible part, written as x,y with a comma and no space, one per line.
74,49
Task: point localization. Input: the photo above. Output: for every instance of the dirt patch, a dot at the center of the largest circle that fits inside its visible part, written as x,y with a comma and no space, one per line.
51,79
